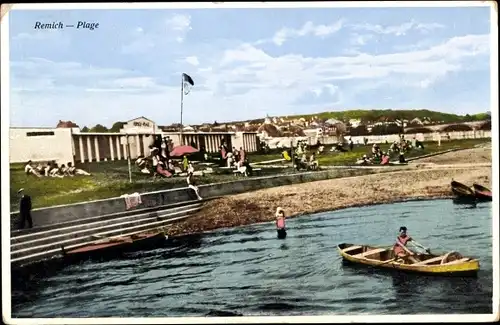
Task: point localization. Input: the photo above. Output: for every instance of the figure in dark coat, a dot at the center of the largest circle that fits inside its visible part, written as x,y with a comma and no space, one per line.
25,209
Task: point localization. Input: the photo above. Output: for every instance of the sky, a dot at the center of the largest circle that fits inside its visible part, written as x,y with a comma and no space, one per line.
245,63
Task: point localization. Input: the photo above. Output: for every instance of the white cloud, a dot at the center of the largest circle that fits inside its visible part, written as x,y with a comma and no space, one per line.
179,23
397,30
232,80
443,57
357,39
308,29
174,28
193,60
39,36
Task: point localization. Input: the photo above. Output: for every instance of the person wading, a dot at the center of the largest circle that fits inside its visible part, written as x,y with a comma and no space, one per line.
280,223
24,209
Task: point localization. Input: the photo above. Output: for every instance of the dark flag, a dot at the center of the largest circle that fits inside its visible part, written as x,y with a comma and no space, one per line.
187,83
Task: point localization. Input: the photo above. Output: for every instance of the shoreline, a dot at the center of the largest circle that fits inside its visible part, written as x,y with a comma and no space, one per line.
398,200
328,195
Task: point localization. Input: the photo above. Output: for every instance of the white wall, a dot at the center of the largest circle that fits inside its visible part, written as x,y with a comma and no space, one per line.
458,135
58,147
328,140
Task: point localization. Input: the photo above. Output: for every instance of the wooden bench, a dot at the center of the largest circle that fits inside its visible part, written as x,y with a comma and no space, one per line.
351,248
367,253
431,260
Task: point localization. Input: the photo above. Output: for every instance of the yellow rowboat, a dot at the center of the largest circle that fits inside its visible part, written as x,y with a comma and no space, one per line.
449,264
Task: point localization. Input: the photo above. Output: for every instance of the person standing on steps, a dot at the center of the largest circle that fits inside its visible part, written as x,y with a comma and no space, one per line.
192,185
24,209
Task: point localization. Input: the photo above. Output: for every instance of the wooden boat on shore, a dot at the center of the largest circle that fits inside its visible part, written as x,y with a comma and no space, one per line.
115,246
462,192
482,193
460,189
449,264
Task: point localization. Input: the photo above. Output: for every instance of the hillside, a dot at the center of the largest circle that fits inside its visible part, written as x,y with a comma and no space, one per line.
379,115
366,116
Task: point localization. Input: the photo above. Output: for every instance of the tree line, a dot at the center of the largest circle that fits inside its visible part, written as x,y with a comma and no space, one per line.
370,116
99,128
365,116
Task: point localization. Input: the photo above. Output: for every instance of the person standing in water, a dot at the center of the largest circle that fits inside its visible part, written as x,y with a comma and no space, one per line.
280,223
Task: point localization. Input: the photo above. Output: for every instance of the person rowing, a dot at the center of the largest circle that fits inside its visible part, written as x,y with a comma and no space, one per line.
400,249
280,223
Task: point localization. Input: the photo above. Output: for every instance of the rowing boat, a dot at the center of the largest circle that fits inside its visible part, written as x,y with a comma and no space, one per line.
482,193
460,189
449,264
462,192
112,247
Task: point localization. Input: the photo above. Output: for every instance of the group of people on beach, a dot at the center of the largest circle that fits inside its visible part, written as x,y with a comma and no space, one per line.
235,159
164,165
159,161
304,162
400,148
52,169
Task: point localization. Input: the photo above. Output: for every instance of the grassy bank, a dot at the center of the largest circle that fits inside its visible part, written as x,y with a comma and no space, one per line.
108,179
329,158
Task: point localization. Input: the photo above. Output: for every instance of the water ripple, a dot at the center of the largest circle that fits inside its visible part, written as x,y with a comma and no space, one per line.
247,271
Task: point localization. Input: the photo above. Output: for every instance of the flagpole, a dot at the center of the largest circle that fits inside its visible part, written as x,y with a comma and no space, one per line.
182,100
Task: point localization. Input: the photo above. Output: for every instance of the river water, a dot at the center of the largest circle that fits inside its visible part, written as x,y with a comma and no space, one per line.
248,271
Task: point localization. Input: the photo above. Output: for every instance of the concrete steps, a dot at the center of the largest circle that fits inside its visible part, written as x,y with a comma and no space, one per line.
28,232
46,243
61,228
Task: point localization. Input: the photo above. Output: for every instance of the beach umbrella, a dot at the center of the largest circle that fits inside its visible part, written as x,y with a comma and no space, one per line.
182,150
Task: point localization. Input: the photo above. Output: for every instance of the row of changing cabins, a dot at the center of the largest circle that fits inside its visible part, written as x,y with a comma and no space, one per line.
65,145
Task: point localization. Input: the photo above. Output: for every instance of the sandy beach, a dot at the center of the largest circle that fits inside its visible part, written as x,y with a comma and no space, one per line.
327,195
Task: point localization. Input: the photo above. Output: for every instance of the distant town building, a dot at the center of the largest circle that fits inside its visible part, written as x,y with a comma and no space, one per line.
355,122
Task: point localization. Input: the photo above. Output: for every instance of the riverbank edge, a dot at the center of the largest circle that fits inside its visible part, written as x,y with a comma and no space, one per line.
430,197
332,195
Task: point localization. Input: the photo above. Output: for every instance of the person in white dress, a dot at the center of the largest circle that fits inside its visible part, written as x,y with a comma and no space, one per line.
192,185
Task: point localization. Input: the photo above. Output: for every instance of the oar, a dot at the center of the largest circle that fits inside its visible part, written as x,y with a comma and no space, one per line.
427,250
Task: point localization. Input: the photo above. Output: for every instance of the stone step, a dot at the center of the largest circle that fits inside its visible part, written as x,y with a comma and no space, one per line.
89,229
95,222
56,252
31,231
71,238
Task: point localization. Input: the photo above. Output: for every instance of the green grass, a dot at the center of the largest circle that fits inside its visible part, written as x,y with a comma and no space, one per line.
108,179
349,158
